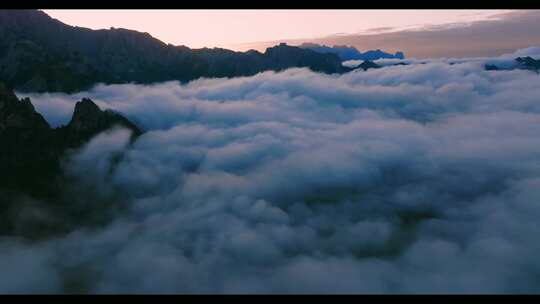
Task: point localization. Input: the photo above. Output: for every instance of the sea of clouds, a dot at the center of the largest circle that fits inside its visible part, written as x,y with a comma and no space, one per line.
422,178
505,61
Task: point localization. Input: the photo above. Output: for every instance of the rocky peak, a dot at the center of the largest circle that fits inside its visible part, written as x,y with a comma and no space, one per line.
86,115
89,120
15,113
85,108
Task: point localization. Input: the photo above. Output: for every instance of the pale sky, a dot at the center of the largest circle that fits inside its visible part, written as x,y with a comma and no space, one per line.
232,28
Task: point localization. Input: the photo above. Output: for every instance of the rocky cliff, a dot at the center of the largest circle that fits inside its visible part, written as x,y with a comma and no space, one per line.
30,160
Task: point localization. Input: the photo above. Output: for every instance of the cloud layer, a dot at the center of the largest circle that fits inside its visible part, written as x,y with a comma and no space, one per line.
419,178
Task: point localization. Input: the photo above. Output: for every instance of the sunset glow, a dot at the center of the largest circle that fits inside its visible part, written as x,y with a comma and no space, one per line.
230,28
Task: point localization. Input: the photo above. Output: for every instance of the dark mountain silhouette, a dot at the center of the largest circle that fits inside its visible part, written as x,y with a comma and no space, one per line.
88,120
39,53
31,153
351,53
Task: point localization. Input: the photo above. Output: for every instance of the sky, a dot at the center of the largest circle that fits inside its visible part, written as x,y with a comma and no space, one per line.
238,29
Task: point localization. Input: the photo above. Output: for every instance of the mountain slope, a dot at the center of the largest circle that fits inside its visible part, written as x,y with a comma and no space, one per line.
31,148
39,53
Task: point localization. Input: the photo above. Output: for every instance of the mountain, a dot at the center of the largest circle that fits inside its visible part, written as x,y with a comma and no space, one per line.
31,148
350,53
522,63
31,153
88,120
39,53
378,54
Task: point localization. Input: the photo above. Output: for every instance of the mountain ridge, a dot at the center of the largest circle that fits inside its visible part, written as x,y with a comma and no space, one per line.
351,53
39,53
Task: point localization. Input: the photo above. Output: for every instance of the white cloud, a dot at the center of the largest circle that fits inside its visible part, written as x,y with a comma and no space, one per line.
419,178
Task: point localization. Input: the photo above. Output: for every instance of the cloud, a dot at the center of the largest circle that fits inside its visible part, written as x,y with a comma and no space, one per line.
408,179
506,60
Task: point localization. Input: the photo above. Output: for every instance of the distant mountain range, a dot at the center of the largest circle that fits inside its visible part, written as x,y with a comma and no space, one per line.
39,53
350,53
522,63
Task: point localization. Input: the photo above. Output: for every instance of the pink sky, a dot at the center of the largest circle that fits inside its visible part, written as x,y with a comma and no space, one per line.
232,28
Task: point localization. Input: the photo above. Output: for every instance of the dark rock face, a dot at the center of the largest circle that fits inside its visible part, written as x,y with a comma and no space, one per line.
283,56
28,154
18,114
30,159
39,53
